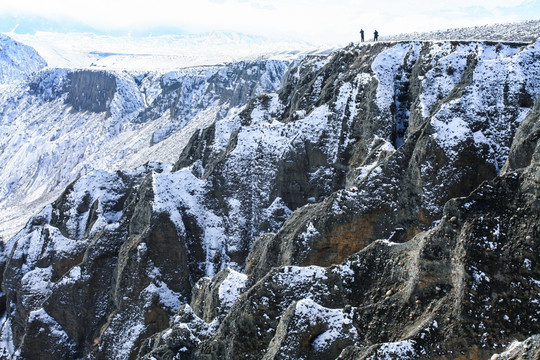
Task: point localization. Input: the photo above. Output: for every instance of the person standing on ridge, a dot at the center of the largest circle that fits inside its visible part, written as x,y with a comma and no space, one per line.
362,35
376,36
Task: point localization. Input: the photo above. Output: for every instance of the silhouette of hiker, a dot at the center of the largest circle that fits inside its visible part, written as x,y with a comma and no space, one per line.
376,36
362,34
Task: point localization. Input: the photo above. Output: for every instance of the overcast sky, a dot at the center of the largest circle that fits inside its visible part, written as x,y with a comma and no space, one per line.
335,21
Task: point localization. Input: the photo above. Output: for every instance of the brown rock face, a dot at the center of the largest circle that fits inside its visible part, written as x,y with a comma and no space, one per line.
391,201
528,349
345,239
456,291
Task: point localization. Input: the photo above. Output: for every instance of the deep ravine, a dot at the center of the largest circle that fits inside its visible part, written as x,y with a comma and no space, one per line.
381,202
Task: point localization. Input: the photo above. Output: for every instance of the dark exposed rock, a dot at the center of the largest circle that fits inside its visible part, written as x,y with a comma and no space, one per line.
107,274
182,338
456,291
211,301
398,192
258,311
90,90
525,142
83,90
198,149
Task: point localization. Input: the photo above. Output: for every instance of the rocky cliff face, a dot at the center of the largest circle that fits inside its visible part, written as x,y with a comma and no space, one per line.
60,124
382,204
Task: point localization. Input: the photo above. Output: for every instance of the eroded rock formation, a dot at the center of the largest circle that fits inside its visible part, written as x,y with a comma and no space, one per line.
383,203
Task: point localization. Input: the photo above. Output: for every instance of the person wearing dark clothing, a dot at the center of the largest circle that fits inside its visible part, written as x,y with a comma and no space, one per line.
362,34
376,36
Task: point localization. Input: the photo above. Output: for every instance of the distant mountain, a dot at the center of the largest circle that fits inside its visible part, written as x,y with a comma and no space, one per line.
157,53
30,24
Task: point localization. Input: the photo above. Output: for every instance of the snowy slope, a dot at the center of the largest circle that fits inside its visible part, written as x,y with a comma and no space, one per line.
362,144
17,60
519,31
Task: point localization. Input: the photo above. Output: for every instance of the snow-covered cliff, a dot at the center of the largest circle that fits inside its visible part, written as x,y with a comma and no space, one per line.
357,205
61,124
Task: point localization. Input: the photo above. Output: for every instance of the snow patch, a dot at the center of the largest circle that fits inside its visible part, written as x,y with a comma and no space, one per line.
450,133
168,298
231,288
399,349
181,194
337,323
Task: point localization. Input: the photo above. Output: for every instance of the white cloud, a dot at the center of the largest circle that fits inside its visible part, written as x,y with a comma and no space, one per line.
325,20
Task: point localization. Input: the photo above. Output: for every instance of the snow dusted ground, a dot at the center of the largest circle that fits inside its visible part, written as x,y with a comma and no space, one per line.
156,53
526,31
